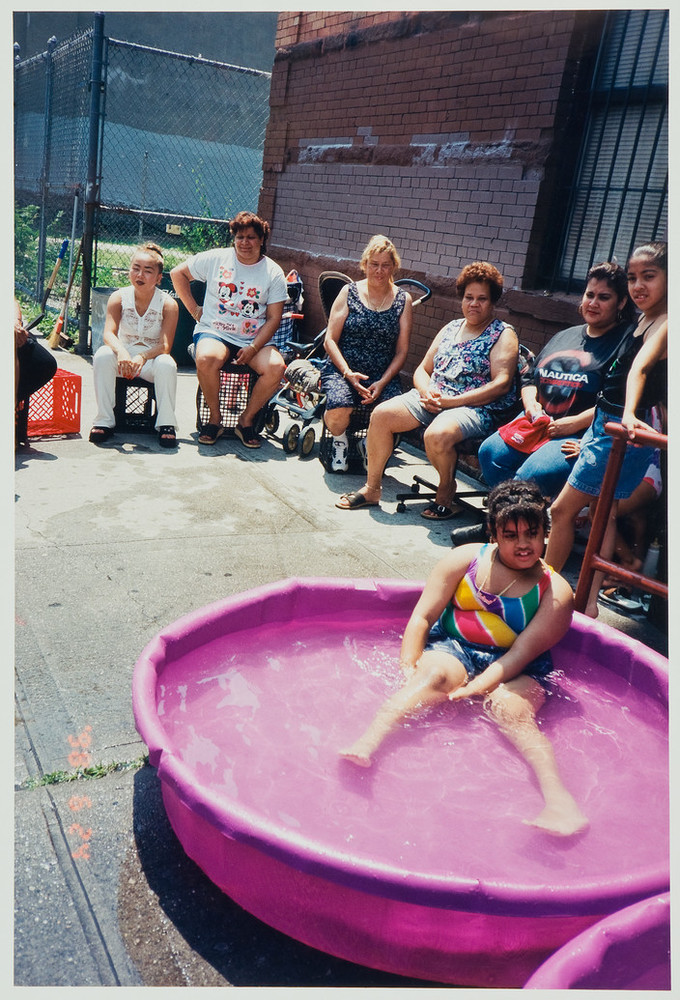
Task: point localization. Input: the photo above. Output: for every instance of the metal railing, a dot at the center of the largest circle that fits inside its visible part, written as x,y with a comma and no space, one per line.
593,561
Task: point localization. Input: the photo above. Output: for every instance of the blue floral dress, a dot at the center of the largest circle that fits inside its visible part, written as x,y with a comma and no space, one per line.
459,367
368,343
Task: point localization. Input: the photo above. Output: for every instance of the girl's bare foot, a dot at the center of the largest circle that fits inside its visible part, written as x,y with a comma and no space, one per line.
356,755
562,819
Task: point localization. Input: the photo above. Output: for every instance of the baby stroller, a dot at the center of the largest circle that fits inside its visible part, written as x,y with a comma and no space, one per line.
292,315
299,394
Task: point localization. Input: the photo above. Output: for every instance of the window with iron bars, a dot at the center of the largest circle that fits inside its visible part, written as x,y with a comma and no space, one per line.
619,197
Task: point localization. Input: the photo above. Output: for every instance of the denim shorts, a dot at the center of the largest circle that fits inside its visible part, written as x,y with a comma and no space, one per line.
596,445
474,421
233,345
476,658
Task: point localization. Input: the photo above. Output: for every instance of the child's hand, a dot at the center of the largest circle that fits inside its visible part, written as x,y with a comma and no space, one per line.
464,691
407,669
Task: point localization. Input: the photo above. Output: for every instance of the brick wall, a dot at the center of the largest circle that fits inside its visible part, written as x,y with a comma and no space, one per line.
434,128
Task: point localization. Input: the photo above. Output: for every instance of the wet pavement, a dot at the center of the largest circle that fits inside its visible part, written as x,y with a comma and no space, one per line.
112,544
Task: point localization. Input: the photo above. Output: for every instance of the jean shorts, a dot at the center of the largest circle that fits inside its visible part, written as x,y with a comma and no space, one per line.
473,421
596,445
476,658
232,344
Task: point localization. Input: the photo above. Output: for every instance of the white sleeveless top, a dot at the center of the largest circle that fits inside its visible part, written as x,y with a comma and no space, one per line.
139,333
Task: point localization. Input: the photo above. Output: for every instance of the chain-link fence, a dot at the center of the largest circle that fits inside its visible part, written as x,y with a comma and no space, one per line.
177,143
51,105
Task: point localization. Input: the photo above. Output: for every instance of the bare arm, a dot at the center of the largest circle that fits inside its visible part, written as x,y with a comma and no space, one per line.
181,281
571,424
20,333
652,351
423,373
114,312
441,585
532,407
550,623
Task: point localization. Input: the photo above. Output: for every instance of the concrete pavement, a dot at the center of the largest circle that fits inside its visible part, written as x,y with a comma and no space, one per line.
112,544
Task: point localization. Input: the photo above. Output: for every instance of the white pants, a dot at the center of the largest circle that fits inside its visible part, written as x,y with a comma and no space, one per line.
162,371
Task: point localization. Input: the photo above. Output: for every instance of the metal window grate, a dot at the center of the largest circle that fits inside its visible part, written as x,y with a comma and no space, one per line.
620,194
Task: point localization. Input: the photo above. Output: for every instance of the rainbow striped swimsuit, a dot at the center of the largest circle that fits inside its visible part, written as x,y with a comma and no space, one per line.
493,621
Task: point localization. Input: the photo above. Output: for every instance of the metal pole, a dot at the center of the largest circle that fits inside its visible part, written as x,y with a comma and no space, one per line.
70,260
45,170
92,183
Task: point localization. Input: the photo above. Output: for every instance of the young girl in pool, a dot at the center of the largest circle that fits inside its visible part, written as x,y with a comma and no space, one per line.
483,626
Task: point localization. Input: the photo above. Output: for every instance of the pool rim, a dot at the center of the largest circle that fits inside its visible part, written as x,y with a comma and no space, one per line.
304,854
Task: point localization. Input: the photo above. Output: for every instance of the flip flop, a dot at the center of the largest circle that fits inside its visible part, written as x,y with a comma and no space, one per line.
437,512
167,437
354,501
98,435
210,433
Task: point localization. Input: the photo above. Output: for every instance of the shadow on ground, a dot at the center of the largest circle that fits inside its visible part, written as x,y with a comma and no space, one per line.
181,930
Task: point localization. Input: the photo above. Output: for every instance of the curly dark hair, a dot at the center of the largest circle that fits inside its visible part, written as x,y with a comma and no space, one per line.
617,279
481,271
514,499
244,220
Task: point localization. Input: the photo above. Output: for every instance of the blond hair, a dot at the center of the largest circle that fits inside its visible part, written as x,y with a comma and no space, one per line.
379,244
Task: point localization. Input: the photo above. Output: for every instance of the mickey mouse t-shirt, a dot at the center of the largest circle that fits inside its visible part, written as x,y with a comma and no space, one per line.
236,295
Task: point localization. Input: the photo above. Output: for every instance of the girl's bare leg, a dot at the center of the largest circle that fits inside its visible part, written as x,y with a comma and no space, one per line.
563,513
513,707
607,551
435,676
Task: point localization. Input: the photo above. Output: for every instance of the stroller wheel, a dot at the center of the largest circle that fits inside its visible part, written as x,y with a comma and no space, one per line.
291,436
307,442
271,424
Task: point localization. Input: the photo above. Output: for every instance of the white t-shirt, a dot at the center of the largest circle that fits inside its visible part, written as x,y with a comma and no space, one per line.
236,295
140,333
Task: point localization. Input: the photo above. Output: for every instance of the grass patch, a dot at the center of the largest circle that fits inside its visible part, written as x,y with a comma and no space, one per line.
84,773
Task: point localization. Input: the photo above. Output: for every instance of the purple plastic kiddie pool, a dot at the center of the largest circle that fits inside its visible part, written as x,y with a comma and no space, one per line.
628,950
420,865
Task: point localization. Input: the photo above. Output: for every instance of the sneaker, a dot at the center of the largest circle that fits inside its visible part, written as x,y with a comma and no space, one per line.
339,454
620,599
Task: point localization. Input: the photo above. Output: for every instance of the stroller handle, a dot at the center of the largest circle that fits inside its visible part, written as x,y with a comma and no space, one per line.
418,284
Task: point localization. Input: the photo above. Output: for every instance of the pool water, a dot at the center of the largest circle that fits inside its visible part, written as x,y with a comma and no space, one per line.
259,716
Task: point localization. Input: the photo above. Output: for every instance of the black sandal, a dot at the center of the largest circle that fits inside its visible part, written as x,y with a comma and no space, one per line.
247,436
210,433
98,435
167,437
